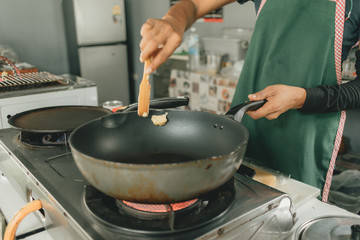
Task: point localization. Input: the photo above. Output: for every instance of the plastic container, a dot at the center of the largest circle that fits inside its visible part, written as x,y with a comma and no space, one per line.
349,71
238,33
345,190
193,43
213,62
235,48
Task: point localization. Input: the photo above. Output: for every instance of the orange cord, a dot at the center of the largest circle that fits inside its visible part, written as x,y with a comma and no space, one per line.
15,221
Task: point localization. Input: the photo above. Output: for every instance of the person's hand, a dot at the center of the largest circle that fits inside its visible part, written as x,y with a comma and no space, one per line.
160,38
280,98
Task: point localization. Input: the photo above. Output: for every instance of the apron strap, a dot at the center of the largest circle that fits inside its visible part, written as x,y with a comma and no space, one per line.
260,7
339,32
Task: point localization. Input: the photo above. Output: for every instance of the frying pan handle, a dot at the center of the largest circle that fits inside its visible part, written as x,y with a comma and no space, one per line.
238,111
161,103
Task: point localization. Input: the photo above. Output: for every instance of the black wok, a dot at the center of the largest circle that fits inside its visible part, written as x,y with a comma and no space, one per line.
128,157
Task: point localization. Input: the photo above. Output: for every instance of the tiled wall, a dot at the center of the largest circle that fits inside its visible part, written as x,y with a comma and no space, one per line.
210,93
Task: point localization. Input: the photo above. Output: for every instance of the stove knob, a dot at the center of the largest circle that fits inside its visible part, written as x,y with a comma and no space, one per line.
355,232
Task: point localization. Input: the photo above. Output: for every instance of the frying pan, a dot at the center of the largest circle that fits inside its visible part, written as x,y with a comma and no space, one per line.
61,119
128,157
56,119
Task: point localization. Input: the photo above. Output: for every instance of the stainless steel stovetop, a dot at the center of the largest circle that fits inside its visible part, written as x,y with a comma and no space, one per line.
50,174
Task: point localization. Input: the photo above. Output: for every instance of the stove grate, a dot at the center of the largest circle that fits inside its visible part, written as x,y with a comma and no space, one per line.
30,80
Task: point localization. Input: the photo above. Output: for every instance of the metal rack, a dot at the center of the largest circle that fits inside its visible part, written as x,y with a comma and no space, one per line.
30,80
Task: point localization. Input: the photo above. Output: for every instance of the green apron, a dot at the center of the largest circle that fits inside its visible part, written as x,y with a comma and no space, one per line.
292,44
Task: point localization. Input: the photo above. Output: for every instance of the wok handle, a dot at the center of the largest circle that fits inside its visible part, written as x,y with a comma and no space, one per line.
160,103
238,111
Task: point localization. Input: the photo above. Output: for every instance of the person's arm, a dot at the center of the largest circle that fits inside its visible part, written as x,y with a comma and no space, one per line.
335,98
330,98
161,37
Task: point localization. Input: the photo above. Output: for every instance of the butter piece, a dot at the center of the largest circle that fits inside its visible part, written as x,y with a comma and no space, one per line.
159,120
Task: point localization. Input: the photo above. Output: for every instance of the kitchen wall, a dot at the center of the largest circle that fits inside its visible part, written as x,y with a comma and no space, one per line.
35,31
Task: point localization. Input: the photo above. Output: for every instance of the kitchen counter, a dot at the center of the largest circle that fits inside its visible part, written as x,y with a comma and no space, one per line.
304,197
314,208
299,192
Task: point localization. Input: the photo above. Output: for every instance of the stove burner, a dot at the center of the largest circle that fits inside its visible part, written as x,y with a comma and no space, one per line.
44,139
156,211
158,208
197,212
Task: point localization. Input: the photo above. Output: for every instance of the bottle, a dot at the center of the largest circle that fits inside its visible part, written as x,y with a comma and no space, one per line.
193,44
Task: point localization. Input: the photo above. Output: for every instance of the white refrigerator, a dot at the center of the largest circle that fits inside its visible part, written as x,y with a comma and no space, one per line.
97,48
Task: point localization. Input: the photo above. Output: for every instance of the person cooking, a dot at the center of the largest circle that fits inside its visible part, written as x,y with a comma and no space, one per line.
294,62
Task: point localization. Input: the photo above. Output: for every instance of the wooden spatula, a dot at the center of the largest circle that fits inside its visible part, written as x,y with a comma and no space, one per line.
144,93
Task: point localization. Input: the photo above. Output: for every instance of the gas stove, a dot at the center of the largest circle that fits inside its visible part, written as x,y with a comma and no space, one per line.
73,209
